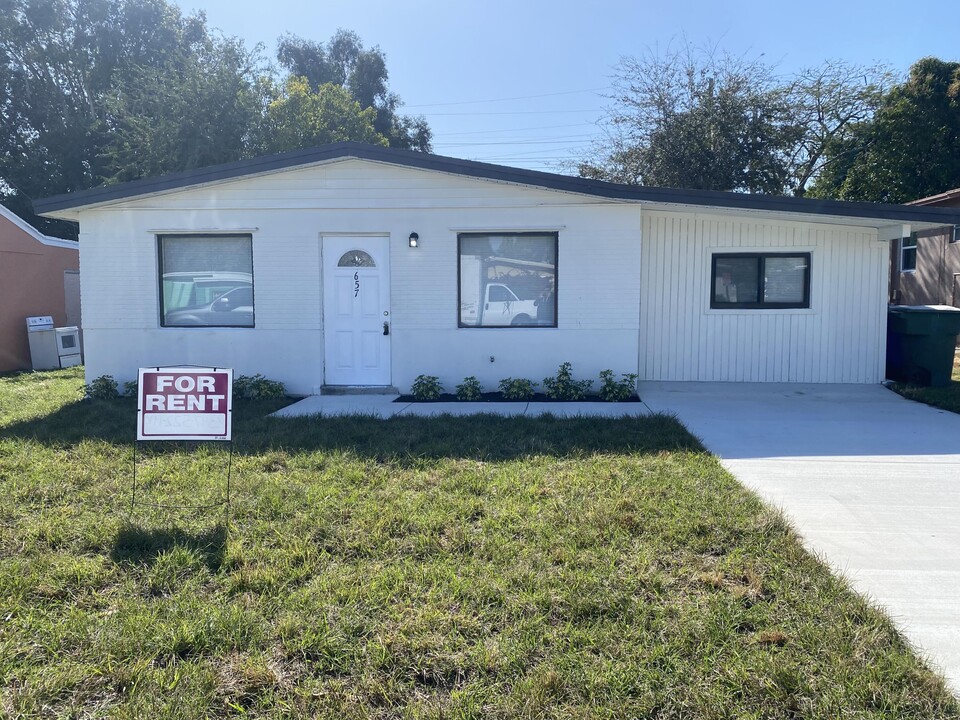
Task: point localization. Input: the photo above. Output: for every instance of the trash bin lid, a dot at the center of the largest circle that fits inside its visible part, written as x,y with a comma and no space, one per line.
924,319
924,308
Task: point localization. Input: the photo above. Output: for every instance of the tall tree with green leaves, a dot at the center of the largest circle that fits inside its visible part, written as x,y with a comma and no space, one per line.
96,91
909,149
300,117
343,61
103,91
196,106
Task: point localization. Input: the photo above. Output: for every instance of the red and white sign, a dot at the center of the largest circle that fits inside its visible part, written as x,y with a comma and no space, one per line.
184,403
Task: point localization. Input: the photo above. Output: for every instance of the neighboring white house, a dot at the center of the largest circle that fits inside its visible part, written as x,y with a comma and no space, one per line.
301,266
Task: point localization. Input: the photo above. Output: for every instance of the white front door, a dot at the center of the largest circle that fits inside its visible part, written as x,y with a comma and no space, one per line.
356,310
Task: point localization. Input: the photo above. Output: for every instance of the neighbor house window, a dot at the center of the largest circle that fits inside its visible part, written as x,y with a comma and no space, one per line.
760,280
908,254
206,280
508,279
955,237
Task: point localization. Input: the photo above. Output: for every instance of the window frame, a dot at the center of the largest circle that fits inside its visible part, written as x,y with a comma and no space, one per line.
556,277
160,306
804,304
955,235
904,247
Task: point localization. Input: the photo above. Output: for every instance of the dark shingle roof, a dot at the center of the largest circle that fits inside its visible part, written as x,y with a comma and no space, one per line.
501,173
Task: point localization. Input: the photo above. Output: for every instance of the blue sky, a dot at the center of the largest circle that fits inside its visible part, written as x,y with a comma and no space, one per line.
523,82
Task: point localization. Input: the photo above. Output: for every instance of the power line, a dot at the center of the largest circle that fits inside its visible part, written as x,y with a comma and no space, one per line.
509,99
524,129
572,139
520,112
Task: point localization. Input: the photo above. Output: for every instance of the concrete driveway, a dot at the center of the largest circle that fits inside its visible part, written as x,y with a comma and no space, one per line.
870,480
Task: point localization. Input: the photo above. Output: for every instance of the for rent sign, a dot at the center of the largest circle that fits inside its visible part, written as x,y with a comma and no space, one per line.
184,403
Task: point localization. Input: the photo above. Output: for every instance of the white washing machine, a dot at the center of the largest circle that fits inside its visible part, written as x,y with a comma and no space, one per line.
50,347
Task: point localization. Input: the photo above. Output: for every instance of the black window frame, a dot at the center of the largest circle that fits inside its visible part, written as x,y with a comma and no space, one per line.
761,257
556,278
160,238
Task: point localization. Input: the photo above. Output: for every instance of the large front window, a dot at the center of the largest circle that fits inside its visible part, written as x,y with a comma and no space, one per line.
206,280
760,280
508,280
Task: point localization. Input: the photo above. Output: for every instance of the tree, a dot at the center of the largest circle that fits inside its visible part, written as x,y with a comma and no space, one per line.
343,61
103,91
94,91
826,104
197,106
909,149
300,117
697,118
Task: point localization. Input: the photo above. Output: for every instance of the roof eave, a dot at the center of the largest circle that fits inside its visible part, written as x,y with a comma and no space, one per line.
68,206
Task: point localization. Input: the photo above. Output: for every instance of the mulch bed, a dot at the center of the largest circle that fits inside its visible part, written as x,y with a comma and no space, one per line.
497,397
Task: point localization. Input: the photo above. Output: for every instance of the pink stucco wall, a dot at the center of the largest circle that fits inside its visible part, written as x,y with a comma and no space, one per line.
31,283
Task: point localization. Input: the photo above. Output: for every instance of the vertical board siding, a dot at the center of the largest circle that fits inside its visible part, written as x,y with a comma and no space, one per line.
840,339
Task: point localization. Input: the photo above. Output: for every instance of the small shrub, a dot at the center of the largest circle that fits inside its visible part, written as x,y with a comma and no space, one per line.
103,388
469,389
613,390
257,387
426,387
130,388
563,387
517,388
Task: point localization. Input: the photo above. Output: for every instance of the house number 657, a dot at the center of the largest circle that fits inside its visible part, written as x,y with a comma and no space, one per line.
356,283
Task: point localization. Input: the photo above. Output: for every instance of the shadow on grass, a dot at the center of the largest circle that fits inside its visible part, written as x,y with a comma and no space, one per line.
142,546
398,439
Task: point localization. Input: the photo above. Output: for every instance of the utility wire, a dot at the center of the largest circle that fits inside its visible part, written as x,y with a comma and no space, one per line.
509,99
500,130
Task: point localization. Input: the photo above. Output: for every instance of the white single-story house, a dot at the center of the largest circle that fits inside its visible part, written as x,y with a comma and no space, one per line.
361,266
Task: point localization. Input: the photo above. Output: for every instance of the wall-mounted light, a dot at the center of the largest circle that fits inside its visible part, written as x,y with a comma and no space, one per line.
414,240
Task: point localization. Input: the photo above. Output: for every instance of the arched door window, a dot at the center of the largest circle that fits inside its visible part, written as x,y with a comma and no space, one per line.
356,258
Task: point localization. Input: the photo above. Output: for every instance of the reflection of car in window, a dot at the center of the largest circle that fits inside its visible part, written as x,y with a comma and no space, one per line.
187,289
234,307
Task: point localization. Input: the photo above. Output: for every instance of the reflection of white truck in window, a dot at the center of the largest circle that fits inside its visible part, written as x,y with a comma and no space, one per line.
499,304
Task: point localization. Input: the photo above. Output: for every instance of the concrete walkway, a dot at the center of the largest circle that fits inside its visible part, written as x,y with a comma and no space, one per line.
870,480
383,406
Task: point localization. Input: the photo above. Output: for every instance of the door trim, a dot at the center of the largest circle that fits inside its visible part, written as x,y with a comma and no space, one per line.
326,256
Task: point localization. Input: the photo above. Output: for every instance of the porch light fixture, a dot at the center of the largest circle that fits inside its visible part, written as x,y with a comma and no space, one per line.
414,240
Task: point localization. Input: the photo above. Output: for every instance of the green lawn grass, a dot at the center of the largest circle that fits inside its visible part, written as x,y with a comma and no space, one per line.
947,398
440,568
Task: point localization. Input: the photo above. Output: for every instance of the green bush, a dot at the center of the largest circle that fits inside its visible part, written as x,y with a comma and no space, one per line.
613,390
563,387
517,388
469,389
257,387
130,388
426,387
103,388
